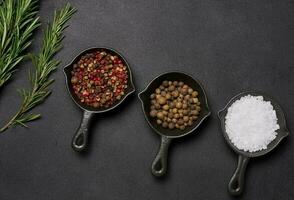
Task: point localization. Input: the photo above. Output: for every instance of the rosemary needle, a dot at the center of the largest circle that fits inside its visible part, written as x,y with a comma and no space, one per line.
44,65
18,20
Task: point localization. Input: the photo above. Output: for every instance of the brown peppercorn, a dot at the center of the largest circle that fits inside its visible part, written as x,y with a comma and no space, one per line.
163,93
195,100
179,105
157,106
185,112
175,93
194,112
171,125
153,113
194,117
165,107
186,118
160,115
190,122
157,91
194,94
158,121
187,97
190,90
164,124
180,121
171,88
184,91
164,112
172,105
165,83
161,100
198,108
170,115
175,110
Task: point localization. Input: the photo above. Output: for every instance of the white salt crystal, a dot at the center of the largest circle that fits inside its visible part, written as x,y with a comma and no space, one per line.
251,123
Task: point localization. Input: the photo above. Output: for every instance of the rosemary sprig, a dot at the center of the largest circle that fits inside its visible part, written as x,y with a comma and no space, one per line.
18,20
44,65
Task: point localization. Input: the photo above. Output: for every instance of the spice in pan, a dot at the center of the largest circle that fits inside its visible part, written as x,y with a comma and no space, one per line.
251,123
99,79
175,105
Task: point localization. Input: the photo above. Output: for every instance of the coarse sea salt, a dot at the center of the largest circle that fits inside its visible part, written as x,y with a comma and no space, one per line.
251,123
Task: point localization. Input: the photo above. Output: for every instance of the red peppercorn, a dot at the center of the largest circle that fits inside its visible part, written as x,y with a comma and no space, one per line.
99,79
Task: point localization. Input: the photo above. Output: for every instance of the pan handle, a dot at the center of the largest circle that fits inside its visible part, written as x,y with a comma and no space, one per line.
80,139
159,164
236,183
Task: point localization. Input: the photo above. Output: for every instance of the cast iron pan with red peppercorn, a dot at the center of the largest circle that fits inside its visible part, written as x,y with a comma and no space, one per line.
159,165
80,139
236,184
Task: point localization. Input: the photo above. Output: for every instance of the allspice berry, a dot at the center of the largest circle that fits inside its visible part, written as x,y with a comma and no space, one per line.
158,121
159,115
179,105
165,107
153,113
171,125
174,105
175,110
164,124
194,94
162,100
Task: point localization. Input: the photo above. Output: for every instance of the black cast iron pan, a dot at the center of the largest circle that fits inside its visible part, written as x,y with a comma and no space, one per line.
236,183
159,165
80,139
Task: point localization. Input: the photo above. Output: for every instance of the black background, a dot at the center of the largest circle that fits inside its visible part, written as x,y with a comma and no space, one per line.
229,45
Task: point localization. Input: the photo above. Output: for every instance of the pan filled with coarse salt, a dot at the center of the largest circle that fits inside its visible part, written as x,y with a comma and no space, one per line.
253,124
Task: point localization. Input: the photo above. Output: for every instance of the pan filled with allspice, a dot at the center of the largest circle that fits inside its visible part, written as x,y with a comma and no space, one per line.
98,80
174,105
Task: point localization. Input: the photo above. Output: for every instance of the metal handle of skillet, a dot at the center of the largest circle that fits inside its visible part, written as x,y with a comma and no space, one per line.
236,183
80,139
159,165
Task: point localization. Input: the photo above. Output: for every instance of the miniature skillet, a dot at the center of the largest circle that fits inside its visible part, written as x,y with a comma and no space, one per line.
80,139
236,183
159,165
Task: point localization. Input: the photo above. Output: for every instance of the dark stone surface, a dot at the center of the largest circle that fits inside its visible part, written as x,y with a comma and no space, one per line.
230,46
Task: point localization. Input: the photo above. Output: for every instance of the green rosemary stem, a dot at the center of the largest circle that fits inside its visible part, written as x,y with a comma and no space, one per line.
18,20
44,65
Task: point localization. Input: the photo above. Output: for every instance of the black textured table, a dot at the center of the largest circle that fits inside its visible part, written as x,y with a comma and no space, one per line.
230,46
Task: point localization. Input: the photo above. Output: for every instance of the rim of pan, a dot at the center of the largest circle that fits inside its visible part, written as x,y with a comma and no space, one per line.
121,100
283,131
198,123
